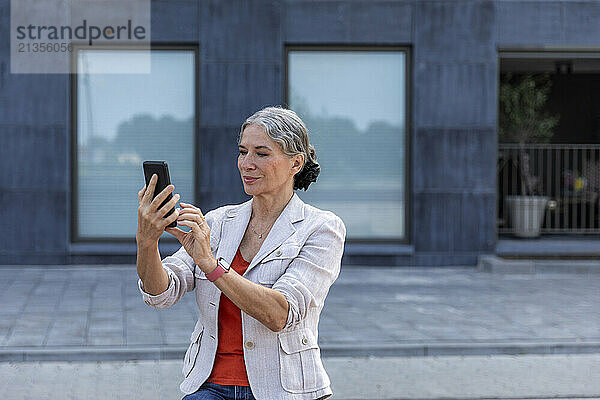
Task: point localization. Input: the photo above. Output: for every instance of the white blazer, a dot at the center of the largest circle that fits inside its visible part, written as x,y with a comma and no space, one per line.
301,258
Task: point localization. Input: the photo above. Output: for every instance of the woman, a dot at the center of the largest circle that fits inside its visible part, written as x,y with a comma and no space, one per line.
260,270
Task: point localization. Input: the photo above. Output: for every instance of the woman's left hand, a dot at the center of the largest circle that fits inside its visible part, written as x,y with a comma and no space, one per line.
197,241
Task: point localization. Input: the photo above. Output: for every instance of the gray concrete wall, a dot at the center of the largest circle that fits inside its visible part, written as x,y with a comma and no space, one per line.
453,143
454,131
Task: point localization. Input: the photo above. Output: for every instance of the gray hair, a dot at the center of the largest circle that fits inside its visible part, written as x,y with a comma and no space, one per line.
286,128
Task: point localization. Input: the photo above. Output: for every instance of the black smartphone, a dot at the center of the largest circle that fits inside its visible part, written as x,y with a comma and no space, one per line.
161,169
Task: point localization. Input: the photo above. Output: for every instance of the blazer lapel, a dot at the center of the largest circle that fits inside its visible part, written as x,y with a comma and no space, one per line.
232,230
282,229
236,223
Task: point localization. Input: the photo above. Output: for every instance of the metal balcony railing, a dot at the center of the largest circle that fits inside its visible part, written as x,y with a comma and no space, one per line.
561,185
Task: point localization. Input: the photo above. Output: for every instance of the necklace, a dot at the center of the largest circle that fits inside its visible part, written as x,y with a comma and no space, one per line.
260,235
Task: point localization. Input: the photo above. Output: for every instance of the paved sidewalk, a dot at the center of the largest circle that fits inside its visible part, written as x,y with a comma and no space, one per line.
97,313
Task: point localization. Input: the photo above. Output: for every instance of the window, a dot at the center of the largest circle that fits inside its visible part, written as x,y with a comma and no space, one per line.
122,119
354,105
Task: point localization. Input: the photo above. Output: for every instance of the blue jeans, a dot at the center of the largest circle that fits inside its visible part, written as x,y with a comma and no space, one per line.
214,391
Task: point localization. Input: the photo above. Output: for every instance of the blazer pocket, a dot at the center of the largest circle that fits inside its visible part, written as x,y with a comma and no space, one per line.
301,368
285,251
192,352
274,264
266,281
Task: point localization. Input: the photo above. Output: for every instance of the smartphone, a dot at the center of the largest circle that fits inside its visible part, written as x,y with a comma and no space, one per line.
161,169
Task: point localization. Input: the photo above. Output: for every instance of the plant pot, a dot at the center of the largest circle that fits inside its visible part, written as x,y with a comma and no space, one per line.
526,214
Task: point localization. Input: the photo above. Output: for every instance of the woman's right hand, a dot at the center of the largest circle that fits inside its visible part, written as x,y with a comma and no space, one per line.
151,223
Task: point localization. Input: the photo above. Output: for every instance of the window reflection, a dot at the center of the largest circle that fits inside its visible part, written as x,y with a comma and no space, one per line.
122,120
353,103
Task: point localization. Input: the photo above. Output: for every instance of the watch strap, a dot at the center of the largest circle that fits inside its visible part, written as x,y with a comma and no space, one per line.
222,267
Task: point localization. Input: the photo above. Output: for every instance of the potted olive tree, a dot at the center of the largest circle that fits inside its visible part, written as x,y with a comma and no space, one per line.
522,120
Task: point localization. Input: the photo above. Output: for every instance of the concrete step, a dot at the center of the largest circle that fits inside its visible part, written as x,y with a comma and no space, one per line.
359,378
414,349
496,264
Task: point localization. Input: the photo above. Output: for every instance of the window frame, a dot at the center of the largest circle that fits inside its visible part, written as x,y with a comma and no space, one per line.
74,236
288,48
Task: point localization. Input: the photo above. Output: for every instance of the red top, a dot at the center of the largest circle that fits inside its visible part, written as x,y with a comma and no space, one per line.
229,367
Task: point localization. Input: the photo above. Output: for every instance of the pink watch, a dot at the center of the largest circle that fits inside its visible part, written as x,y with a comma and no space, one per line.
222,267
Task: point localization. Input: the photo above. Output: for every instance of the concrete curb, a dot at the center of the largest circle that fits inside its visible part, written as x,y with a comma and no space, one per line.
461,349
495,264
117,353
91,353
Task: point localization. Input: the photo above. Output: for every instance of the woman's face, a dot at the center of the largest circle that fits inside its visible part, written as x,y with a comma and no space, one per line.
262,158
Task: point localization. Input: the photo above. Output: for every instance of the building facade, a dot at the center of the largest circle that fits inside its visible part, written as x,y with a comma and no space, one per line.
401,98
